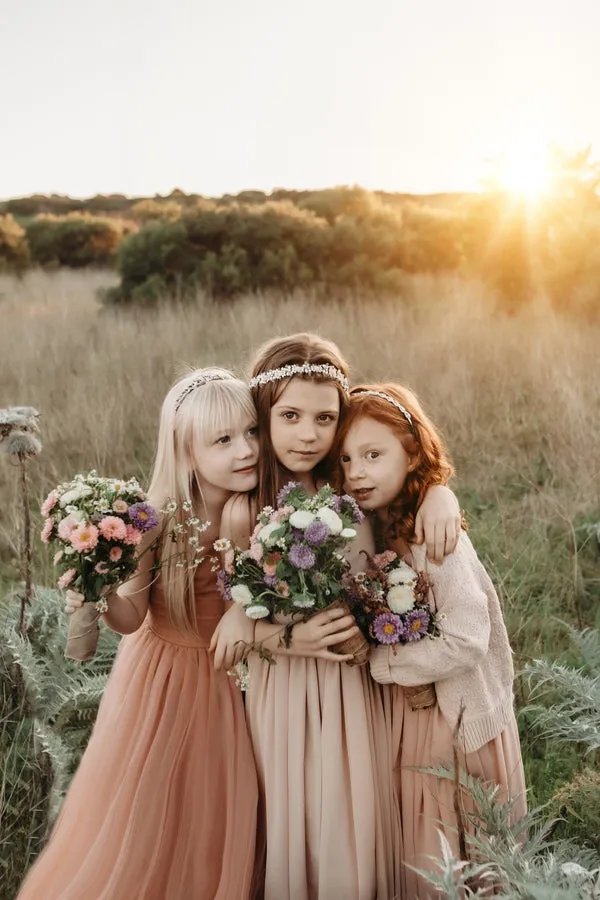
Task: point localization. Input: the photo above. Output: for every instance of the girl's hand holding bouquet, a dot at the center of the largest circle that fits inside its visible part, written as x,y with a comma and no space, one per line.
295,566
97,525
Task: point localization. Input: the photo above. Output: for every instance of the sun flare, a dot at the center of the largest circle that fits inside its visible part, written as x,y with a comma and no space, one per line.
524,170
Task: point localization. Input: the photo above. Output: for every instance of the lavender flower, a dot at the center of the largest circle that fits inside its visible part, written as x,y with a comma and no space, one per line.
270,580
316,533
357,512
301,556
286,491
416,625
387,628
143,516
224,584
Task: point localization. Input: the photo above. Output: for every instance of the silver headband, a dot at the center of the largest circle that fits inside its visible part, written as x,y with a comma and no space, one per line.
389,399
322,369
198,382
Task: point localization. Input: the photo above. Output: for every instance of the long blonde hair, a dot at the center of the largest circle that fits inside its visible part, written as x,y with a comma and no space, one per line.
192,408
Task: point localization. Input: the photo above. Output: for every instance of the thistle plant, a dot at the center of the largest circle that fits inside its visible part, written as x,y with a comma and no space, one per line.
19,428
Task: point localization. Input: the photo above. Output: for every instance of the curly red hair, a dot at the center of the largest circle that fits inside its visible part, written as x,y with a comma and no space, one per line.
420,438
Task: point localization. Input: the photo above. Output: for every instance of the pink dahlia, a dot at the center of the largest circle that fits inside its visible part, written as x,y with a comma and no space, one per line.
112,528
84,537
47,530
66,579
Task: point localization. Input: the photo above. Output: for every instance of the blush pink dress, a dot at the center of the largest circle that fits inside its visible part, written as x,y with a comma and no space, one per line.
325,752
163,805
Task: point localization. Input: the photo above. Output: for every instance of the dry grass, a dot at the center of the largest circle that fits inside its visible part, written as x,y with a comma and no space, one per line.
517,397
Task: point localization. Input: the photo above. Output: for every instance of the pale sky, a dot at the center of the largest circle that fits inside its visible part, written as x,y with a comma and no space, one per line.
143,96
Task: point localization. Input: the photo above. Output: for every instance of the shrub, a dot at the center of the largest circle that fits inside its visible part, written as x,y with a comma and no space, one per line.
14,250
76,240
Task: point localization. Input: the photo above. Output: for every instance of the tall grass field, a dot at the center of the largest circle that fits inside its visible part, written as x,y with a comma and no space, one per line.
516,397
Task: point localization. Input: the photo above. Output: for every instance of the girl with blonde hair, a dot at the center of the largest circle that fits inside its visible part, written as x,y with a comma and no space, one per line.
163,804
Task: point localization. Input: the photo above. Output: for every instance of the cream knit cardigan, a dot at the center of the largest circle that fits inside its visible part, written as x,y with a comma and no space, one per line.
471,663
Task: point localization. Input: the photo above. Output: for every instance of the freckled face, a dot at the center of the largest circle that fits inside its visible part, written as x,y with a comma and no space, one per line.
374,462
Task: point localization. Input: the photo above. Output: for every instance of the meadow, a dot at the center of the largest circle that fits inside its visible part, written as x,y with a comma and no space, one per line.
517,398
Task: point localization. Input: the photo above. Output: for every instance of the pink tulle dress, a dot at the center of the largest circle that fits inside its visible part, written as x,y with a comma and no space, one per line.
163,805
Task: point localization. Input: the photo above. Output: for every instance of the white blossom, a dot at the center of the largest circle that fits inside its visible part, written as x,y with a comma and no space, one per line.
401,598
301,518
241,594
331,519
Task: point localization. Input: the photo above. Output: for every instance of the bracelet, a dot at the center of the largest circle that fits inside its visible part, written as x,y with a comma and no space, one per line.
285,638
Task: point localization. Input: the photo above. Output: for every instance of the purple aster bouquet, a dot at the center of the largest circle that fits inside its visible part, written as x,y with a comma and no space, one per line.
295,564
390,601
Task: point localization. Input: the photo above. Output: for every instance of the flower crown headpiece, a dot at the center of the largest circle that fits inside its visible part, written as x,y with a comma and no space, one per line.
389,399
198,382
322,369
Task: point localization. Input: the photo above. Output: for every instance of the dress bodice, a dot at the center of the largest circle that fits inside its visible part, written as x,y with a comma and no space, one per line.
210,606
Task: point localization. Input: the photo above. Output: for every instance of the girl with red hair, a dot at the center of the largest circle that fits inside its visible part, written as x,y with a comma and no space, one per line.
459,686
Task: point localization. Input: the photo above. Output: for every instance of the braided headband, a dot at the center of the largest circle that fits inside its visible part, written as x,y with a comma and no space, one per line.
198,382
389,399
323,370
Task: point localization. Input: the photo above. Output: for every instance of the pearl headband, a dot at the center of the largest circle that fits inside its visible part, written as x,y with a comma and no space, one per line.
389,399
324,370
198,382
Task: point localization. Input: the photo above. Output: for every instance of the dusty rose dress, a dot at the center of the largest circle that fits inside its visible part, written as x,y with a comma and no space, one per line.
426,802
163,805
329,818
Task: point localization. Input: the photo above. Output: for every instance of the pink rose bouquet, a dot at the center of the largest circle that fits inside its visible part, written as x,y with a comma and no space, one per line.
96,525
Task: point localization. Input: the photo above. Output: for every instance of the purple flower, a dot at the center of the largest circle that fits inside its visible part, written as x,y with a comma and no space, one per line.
387,628
285,491
316,533
270,580
224,584
143,516
301,556
416,624
357,512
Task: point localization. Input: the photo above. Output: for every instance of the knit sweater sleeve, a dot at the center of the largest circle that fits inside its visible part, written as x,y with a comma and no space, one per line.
462,606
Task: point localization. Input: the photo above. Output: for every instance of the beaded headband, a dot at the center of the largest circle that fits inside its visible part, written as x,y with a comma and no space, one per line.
198,382
324,370
389,399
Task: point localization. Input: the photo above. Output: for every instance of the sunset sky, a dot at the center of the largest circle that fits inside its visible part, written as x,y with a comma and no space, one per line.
142,97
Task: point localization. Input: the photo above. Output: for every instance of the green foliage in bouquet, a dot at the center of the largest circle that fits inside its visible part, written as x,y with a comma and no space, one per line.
295,563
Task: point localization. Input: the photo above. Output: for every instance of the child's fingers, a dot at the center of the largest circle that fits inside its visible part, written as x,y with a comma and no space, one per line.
452,536
339,624
419,532
332,639
435,538
325,618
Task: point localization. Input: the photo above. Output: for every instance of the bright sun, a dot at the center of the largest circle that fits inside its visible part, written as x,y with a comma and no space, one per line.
525,171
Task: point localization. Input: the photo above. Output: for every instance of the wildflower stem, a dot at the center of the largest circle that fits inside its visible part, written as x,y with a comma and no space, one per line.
26,546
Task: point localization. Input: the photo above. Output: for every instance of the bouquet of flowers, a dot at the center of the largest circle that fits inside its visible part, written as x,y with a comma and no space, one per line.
97,524
390,602
295,565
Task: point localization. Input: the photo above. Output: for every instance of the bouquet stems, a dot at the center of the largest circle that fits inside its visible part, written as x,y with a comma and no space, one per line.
83,634
357,645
